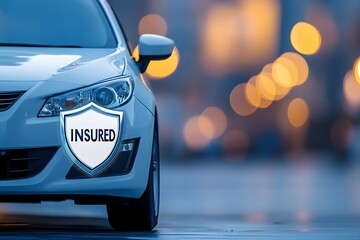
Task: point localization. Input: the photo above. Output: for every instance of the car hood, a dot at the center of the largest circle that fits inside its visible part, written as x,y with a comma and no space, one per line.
24,67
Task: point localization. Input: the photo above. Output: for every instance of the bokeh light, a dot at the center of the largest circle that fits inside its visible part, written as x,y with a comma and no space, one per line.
301,66
281,91
305,38
192,134
153,24
239,34
290,70
298,112
267,68
239,102
206,127
253,96
351,89
162,68
217,125
285,72
219,38
357,69
266,87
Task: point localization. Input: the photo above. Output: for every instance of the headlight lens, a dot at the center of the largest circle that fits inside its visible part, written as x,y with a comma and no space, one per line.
105,96
110,94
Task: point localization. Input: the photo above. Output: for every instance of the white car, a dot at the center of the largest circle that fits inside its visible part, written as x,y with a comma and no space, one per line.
77,120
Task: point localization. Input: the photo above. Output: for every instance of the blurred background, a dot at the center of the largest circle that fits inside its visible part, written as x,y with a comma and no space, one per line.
253,77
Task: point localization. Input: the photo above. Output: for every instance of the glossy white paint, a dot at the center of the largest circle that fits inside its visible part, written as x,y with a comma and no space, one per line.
155,46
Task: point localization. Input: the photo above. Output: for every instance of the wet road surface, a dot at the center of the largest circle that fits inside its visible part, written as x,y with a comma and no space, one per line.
303,199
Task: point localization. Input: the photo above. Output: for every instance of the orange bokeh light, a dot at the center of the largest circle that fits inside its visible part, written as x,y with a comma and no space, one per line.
351,89
305,38
238,34
153,24
212,122
192,134
298,112
301,65
280,91
239,102
253,96
285,72
266,87
206,127
357,70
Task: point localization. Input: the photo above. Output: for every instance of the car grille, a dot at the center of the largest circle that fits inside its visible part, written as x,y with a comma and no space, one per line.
7,99
24,163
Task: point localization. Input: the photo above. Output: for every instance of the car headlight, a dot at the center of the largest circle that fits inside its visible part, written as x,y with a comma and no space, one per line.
109,94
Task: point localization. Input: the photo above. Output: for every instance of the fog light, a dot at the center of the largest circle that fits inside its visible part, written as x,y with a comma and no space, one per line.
127,147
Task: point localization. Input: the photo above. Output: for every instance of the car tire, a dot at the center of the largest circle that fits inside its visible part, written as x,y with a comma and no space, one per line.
140,214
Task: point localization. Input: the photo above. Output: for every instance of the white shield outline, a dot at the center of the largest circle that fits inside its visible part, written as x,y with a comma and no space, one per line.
67,148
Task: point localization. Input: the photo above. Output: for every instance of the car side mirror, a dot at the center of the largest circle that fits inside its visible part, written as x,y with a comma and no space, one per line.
153,47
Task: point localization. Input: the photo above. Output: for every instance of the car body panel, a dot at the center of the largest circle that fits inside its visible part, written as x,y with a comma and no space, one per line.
139,122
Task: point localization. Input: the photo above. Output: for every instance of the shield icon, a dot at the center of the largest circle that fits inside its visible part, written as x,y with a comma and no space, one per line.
91,136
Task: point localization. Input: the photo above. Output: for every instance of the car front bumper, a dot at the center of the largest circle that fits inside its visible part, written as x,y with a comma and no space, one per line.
20,128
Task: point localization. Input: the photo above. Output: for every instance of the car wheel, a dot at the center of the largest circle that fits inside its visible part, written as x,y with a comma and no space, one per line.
140,214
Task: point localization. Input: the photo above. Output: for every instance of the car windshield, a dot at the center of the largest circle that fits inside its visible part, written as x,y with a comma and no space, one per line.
55,23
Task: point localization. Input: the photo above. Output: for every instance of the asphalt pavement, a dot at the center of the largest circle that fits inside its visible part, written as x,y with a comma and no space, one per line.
309,197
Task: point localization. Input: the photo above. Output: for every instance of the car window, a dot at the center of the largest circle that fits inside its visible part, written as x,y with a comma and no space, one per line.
113,7
72,23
